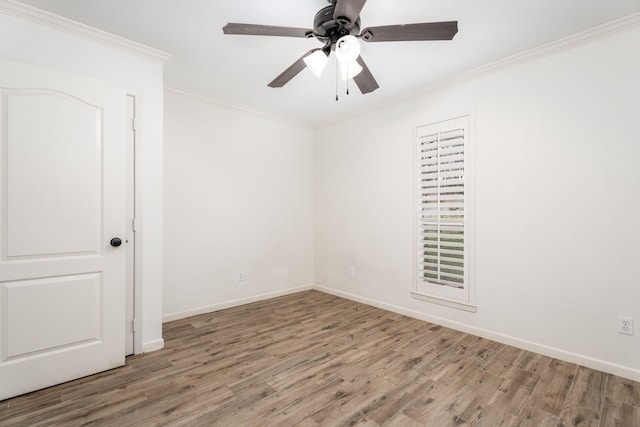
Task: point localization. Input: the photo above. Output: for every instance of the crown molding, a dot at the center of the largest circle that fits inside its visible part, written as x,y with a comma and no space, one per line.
230,106
591,35
561,45
41,17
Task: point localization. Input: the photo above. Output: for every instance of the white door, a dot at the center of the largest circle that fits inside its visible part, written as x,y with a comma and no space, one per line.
62,200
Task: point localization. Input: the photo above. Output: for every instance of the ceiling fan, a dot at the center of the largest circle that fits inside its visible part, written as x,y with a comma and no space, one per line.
337,26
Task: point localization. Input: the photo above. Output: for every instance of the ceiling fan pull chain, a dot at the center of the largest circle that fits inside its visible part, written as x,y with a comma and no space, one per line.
337,80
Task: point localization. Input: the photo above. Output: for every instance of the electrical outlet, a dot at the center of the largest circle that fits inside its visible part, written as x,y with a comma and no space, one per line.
240,276
625,325
351,272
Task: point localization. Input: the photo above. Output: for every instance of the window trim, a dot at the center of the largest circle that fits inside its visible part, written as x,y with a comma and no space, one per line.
463,299
445,301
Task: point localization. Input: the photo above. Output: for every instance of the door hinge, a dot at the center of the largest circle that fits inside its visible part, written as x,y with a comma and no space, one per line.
134,325
134,124
133,224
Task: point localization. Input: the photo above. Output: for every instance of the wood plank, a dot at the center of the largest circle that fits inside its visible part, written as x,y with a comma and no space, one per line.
533,417
354,405
476,354
446,419
575,415
589,389
552,390
617,414
401,420
512,395
330,397
505,360
493,417
623,390
533,362
471,400
435,397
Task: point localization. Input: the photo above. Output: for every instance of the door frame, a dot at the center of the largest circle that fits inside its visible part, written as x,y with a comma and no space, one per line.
130,318
134,271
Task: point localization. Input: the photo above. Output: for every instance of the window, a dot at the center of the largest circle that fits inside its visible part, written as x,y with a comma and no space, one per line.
444,207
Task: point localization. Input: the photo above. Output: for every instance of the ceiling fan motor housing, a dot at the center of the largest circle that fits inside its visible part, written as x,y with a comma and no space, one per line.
326,27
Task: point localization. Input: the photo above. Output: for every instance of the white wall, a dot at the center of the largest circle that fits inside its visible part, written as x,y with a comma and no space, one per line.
557,203
24,40
238,195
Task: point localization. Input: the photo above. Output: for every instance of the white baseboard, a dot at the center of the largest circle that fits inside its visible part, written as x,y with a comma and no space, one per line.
233,303
567,356
154,345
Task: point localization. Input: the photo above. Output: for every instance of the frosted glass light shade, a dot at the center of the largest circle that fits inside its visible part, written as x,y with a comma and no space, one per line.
347,49
350,70
316,62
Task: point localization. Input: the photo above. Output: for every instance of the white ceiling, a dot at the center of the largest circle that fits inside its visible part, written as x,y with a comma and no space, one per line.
236,69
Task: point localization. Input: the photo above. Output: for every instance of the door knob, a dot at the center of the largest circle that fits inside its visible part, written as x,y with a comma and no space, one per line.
115,242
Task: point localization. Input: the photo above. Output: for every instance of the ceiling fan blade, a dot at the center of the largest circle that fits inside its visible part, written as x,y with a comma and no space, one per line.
365,80
349,9
410,32
265,30
291,72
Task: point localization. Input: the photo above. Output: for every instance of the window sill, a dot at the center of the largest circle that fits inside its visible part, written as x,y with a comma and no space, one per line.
446,302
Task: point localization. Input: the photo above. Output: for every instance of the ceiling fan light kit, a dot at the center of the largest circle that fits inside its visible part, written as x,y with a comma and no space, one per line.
350,70
347,49
317,61
337,26
347,53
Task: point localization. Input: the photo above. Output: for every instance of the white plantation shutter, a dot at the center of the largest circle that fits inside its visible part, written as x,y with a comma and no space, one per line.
442,194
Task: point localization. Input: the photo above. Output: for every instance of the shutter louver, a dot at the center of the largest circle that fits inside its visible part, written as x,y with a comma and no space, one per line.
441,204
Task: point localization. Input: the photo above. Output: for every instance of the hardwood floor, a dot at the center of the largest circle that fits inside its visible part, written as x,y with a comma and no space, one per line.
314,359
